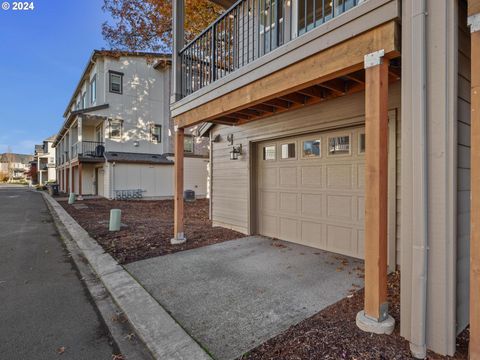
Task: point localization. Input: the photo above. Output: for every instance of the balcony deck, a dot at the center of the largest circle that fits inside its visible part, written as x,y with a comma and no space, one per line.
88,151
324,62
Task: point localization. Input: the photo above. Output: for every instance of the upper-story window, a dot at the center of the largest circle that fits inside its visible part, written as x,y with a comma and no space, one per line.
156,133
115,129
314,13
115,82
189,147
93,89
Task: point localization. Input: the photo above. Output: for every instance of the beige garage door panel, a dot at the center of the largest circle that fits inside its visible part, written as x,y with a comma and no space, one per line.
310,190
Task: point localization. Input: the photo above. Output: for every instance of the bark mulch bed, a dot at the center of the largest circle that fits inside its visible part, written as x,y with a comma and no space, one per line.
147,227
333,334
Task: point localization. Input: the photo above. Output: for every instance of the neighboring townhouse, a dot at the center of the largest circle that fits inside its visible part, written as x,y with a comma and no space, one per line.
45,158
346,125
116,139
14,167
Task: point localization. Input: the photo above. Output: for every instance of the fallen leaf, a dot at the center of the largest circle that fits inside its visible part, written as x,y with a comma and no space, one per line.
61,350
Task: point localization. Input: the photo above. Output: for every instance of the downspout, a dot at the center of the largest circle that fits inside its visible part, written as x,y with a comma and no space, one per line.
112,190
418,345
210,174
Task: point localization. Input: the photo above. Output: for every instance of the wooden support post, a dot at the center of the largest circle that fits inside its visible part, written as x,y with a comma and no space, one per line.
474,22
68,179
80,168
375,317
179,235
376,194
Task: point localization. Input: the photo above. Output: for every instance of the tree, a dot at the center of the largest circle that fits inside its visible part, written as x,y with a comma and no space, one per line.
147,24
10,158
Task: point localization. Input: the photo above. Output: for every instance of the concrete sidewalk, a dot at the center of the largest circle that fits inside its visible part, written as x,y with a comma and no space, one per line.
163,336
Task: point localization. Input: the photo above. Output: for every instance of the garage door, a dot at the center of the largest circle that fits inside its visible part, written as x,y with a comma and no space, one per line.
310,190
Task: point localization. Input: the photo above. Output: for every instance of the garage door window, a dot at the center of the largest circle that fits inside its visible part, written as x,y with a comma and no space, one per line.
311,149
269,152
339,145
288,151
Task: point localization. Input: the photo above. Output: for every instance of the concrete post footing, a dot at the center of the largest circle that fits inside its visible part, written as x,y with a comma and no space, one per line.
372,326
178,240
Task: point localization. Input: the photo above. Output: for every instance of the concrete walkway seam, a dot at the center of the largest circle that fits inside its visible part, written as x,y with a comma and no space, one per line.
163,336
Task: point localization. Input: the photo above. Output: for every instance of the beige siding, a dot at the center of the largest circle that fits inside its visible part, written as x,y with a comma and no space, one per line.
463,173
88,179
154,180
195,176
231,179
102,176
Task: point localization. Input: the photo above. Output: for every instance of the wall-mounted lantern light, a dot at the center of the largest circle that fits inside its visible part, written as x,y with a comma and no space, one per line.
236,152
230,138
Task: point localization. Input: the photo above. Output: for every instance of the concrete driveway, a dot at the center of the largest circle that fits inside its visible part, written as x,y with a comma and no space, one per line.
233,296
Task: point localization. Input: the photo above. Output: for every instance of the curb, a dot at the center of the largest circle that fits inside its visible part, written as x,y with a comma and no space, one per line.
162,335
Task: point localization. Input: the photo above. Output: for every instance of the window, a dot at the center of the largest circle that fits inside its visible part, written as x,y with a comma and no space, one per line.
269,152
361,144
115,82
156,133
339,145
115,129
84,100
99,133
93,90
311,148
188,144
288,151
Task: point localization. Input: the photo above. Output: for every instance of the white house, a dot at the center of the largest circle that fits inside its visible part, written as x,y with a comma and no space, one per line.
44,158
116,139
14,167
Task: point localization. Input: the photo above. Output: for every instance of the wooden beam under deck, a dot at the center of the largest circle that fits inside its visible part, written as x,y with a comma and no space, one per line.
473,7
314,98
330,64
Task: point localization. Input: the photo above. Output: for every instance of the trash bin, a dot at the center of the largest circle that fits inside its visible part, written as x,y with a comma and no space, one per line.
53,189
189,195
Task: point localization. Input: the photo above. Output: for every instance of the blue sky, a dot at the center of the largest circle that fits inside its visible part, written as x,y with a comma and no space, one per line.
42,55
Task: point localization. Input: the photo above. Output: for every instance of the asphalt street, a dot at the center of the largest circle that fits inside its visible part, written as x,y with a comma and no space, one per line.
45,309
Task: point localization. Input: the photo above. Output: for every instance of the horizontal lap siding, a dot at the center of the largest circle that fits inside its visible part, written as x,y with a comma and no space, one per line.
463,172
230,179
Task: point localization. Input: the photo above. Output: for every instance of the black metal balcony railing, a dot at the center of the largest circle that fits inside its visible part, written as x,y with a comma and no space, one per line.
246,32
93,149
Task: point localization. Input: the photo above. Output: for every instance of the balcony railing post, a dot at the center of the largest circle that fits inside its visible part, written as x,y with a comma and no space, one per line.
213,63
178,7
